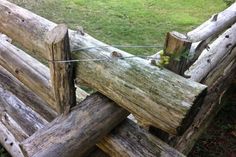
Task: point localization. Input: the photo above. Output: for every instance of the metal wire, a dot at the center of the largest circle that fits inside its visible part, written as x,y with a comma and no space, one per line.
103,59
119,46
111,58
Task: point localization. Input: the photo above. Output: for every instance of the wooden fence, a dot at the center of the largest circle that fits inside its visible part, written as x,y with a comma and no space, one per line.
44,113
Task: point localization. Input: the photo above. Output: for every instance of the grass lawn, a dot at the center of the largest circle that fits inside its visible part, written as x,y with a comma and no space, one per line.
135,22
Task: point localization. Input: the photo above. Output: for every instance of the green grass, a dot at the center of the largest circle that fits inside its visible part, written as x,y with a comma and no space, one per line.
135,22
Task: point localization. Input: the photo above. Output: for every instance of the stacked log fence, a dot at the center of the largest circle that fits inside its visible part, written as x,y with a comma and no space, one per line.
44,112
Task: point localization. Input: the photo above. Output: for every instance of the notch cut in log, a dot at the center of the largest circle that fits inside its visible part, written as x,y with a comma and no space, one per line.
62,74
177,47
135,85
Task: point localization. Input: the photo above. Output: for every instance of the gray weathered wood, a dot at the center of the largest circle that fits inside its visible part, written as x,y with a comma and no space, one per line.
215,25
28,70
5,38
22,133
129,140
211,56
9,142
62,74
22,114
158,96
10,83
77,132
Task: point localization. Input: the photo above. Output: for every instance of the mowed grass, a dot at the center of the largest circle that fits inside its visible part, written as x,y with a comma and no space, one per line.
127,22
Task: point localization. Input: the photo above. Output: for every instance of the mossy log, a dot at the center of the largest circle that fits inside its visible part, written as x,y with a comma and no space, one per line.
161,97
19,127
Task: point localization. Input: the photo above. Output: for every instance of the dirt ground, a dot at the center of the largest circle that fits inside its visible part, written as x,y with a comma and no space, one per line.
220,138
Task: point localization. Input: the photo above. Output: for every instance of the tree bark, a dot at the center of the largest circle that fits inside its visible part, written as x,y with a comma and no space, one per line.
158,96
215,25
62,74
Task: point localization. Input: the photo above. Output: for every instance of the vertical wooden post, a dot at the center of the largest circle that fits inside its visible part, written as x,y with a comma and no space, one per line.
177,47
58,47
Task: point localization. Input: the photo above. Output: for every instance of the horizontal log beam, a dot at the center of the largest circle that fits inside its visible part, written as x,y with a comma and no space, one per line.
22,128
12,84
130,140
159,96
76,132
215,25
28,70
21,133
23,115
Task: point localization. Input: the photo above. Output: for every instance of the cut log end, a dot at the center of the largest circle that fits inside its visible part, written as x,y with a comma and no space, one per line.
177,47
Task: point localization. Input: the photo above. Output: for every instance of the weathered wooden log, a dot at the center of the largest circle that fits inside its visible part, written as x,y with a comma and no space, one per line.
211,56
197,49
5,38
177,47
129,140
134,84
218,80
17,122
21,134
215,25
62,74
28,70
9,142
22,115
10,83
72,134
